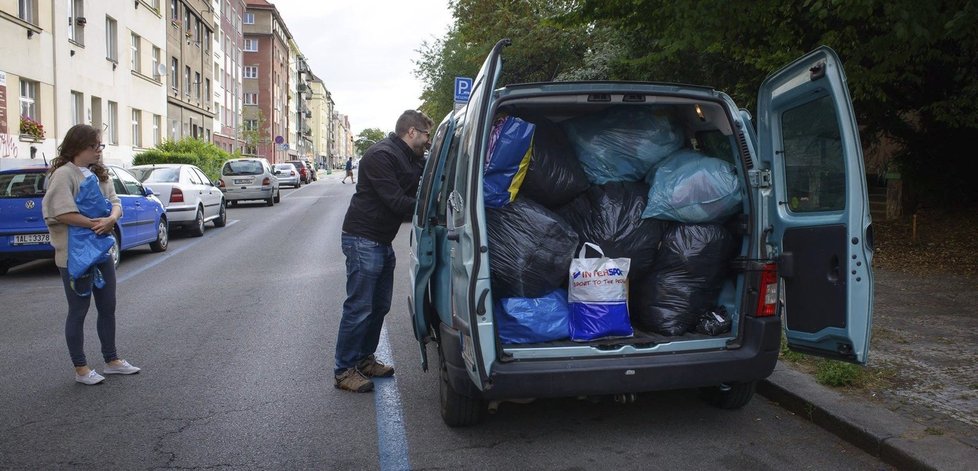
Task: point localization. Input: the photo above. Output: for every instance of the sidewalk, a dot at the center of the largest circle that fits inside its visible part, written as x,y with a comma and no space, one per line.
924,340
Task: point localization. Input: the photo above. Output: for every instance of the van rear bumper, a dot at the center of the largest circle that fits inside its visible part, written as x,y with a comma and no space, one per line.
754,360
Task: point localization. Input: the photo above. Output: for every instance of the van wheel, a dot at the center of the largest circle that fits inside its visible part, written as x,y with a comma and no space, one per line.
729,396
457,410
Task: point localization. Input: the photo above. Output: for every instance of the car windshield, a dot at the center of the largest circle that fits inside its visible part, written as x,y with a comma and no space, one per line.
21,185
284,167
242,167
157,175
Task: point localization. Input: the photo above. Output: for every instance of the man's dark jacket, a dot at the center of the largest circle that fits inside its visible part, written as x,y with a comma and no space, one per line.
387,185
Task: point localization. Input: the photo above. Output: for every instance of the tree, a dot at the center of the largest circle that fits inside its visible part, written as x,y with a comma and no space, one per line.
367,138
254,132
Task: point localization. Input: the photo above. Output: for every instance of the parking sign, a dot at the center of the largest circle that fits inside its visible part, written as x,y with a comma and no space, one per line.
463,88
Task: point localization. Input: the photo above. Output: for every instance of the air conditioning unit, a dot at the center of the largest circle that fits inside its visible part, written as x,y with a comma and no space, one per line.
160,70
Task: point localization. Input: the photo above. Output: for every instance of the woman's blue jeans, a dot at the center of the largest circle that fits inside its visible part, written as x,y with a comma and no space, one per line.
369,287
78,309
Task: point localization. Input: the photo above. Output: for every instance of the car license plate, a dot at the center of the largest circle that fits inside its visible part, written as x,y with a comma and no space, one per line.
31,239
239,181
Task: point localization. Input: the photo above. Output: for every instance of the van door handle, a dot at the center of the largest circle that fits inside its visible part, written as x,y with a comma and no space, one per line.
452,235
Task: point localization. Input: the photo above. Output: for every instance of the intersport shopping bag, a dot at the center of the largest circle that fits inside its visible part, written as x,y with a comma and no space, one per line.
598,296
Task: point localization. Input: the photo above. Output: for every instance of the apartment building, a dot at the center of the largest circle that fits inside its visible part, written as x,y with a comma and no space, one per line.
343,147
265,82
189,67
300,132
118,45
321,107
228,44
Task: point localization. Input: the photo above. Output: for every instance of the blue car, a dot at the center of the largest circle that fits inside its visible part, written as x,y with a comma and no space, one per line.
24,236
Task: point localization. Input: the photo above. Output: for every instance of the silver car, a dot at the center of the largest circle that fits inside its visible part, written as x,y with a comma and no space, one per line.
288,175
249,179
190,198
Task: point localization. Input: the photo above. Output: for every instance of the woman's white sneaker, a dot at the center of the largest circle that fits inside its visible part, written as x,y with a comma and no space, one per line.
123,368
91,378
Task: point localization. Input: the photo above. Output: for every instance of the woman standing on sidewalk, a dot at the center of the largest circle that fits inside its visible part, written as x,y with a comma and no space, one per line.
78,160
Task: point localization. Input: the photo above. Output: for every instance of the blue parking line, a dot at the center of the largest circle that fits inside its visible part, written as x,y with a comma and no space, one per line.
166,255
391,439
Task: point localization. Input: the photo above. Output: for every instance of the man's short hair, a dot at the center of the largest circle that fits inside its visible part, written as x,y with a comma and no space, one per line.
412,119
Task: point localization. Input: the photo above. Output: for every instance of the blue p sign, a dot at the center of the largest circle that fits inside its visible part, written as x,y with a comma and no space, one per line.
463,88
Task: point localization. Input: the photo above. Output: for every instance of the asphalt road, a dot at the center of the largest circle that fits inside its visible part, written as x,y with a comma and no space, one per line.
235,333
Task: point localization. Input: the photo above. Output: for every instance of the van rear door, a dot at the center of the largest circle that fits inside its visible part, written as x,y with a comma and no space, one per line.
819,215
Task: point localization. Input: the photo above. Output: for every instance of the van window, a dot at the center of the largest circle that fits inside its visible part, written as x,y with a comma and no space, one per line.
242,167
427,180
449,176
814,162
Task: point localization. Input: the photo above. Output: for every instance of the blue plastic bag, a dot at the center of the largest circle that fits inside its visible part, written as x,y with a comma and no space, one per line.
693,188
509,155
622,143
86,249
533,320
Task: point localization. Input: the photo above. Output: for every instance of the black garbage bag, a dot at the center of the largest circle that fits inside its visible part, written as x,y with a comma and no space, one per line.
610,216
554,176
714,322
530,249
685,281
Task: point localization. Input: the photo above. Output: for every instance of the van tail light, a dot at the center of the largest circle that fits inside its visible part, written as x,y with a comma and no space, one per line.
292,172
266,181
220,183
767,298
176,195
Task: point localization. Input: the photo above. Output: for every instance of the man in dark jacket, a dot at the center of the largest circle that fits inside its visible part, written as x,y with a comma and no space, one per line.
390,171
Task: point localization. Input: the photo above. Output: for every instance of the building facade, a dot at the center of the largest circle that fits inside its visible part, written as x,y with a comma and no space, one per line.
321,110
228,44
190,71
265,81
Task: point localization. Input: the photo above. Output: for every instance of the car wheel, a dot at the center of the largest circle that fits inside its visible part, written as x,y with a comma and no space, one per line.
270,201
4,266
729,396
222,215
197,229
114,252
162,237
233,203
278,196
457,410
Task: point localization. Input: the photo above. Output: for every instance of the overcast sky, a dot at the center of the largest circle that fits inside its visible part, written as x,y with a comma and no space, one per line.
364,51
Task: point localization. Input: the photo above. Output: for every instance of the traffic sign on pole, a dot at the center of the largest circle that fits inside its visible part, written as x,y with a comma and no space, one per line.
463,88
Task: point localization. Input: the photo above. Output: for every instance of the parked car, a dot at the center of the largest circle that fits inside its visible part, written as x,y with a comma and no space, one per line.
190,198
249,179
313,171
800,232
288,175
24,236
304,171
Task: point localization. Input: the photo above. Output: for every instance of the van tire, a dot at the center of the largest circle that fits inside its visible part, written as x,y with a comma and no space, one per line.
457,410
730,396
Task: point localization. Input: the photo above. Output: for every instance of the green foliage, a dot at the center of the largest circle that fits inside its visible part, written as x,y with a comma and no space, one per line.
838,374
367,138
205,155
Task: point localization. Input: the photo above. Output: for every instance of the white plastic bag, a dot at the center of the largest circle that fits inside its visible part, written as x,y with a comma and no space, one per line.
597,295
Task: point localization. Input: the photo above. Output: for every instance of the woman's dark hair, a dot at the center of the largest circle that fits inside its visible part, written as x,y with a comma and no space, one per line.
77,139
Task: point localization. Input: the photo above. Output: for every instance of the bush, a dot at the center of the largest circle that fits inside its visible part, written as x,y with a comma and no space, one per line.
836,373
205,155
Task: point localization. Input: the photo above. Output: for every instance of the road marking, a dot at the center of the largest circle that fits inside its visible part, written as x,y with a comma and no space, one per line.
391,439
167,255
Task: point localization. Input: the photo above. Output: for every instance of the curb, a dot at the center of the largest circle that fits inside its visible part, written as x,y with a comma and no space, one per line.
895,439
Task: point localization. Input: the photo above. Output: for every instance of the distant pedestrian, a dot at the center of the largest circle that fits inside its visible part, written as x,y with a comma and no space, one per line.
76,168
389,174
349,171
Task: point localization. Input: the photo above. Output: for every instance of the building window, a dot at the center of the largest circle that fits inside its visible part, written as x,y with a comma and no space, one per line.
174,126
113,123
111,40
157,129
207,40
251,98
26,12
28,97
174,74
76,28
77,107
156,62
249,18
251,71
197,85
251,125
186,80
207,88
250,45
135,51
137,135
217,112
174,11
97,112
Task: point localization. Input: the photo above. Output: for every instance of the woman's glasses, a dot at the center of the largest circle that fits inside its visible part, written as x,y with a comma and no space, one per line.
97,147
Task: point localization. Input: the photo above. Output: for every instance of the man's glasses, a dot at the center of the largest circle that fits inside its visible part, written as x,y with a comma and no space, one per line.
97,146
423,132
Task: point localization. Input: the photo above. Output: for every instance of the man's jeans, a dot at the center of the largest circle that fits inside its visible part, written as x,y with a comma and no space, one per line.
369,287
78,309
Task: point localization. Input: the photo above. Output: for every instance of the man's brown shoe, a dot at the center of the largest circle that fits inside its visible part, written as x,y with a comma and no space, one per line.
372,368
353,380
